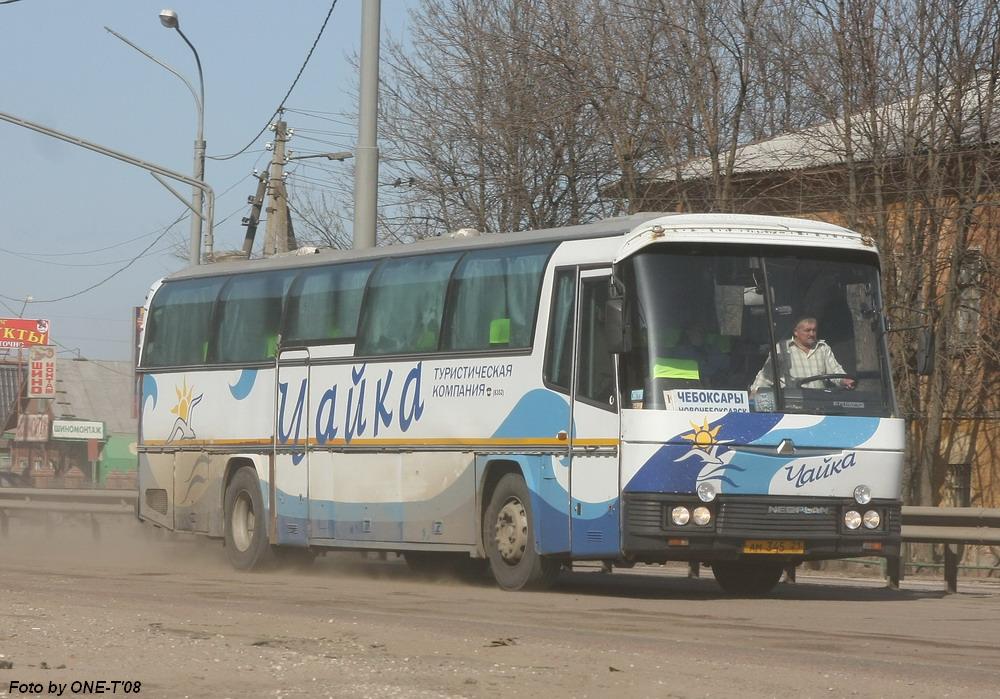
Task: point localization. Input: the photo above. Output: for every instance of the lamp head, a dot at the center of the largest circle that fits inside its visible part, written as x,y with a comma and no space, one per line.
169,19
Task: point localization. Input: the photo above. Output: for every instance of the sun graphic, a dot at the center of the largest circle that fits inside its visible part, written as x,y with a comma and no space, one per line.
184,402
703,436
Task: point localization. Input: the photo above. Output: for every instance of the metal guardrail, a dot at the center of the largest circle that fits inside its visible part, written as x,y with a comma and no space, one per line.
950,526
84,501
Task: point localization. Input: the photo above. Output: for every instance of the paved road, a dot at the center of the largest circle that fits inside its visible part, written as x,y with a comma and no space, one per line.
172,616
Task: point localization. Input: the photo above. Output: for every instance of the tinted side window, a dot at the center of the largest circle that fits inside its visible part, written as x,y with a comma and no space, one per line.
494,298
249,317
180,315
324,303
559,353
595,377
405,304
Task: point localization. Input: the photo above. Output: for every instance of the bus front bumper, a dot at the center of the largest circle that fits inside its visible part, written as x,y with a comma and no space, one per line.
774,527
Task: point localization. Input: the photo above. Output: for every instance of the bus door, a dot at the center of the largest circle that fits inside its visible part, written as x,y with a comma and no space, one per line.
290,479
594,472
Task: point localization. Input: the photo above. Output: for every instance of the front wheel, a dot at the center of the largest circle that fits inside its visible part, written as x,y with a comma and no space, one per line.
509,539
247,546
747,578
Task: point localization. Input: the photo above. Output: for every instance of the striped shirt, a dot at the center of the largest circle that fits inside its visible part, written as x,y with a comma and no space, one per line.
803,363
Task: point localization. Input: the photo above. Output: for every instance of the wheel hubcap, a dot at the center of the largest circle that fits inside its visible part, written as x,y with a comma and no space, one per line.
511,533
243,521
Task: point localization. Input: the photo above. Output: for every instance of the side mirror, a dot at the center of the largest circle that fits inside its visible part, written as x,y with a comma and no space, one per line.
614,325
925,352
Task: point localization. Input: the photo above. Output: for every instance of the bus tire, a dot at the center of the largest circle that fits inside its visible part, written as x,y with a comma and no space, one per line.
509,539
747,578
247,547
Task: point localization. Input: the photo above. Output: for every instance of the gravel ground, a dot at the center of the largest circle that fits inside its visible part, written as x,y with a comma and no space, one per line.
170,615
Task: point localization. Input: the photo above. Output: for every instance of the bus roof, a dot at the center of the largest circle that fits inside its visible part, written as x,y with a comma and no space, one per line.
739,229
620,225
652,228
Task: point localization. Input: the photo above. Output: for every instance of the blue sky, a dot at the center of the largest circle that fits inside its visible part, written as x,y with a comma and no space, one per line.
72,217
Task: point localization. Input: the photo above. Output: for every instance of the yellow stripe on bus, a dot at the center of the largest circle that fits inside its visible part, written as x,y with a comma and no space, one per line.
448,441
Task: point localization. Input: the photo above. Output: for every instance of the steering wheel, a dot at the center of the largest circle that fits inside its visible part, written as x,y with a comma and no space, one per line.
824,377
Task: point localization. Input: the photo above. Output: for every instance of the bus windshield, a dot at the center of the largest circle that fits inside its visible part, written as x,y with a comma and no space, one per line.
756,329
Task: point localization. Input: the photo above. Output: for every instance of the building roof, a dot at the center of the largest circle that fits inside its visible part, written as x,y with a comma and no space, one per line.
101,391
824,145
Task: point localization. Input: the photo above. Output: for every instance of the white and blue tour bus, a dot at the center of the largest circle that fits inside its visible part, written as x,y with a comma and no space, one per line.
627,391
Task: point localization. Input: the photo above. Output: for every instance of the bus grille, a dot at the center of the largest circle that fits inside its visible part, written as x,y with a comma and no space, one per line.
761,517
645,514
754,519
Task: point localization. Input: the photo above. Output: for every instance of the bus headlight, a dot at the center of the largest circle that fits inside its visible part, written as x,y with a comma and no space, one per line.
701,516
680,516
862,495
872,519
852,519
706,492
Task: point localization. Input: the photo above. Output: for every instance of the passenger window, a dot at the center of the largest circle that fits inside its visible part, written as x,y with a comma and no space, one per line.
405,304
495,298
559,353
595,377
324,303
250,317
180,315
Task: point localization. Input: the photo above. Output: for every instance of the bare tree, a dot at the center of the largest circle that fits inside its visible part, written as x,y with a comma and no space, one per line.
513,114
915,95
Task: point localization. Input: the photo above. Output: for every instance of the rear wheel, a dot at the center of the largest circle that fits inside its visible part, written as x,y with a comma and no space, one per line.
747,578
247,546
509,538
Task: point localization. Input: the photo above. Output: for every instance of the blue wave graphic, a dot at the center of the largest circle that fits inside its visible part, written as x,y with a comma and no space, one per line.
840,432
149,390
756,471
672,469
241,389
539,414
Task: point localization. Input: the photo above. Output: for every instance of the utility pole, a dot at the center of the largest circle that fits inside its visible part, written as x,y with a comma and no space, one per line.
256,202
279,236
366,169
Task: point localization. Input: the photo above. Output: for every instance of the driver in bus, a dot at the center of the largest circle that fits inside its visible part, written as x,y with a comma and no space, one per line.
807,356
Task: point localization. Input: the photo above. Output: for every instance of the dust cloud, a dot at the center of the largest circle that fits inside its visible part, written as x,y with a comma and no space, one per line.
109,544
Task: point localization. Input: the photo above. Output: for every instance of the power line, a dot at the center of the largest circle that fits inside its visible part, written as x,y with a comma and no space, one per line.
113,274
315,113
281,106
81,252
30,256
11,310
66,264
332,144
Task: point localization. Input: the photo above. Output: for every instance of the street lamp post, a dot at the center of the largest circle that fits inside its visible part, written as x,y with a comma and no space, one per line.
340,155
170,20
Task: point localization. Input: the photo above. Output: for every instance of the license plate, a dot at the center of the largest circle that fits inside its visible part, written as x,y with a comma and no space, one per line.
773,546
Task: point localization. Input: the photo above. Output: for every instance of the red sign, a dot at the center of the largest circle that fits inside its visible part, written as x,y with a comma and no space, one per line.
42,372
21,332
93,450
